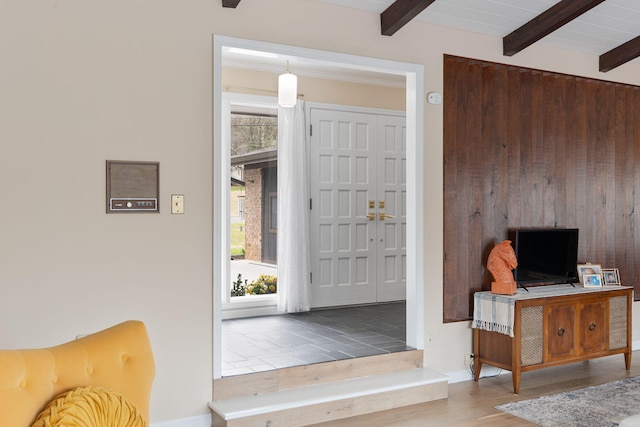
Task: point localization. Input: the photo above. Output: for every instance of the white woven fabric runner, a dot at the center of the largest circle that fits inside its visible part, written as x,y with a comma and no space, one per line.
494,312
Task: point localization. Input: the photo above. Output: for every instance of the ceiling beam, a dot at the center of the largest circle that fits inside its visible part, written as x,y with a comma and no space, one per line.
620,55
399,13
230,3
545,23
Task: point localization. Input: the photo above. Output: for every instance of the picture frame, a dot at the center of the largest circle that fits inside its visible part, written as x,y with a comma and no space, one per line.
610,277
592,280
588,268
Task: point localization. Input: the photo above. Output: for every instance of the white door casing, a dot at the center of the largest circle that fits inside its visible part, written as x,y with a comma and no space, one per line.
358,215
414,75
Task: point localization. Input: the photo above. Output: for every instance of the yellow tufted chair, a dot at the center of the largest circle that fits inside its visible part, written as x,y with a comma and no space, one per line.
118,361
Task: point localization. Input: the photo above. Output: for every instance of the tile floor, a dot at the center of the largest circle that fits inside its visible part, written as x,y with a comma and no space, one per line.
270,342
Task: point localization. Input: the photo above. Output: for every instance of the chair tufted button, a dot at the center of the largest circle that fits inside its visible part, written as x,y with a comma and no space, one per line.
54,379
90,370
23,384
125,357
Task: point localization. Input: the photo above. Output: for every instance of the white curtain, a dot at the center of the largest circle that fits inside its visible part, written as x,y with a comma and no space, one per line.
293,211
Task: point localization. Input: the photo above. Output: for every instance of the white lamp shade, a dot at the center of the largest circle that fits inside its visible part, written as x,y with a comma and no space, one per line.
287,90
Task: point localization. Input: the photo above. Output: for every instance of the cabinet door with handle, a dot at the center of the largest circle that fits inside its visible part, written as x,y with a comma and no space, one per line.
560,322
593,326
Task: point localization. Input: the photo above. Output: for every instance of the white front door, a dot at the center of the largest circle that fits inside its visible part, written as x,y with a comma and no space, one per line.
391,172
358,215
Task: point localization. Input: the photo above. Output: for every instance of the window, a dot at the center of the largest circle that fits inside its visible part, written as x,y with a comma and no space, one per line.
253,157
253,132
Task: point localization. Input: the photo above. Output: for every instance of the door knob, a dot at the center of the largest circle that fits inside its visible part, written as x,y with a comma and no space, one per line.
371,216
384,216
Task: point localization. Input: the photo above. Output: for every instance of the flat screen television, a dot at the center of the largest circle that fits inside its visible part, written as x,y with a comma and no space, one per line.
546,256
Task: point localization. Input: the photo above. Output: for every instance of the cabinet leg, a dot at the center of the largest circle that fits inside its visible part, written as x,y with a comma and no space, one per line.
627,360
477,366
515,376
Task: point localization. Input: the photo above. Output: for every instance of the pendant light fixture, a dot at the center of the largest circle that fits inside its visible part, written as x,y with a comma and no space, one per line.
287,89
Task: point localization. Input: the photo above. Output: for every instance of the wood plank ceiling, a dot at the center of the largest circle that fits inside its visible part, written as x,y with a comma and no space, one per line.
401,12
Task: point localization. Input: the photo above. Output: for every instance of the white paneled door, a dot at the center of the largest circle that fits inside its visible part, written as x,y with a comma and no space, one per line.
358,207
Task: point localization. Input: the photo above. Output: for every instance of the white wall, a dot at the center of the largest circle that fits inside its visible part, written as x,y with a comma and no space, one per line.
83,81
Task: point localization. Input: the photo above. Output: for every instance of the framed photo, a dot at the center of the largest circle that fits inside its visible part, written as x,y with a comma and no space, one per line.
610,277
592,280
588,268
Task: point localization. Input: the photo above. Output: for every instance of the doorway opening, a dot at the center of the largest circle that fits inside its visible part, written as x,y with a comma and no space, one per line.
414,76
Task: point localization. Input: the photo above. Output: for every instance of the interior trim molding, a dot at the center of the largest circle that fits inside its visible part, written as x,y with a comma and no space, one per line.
414,75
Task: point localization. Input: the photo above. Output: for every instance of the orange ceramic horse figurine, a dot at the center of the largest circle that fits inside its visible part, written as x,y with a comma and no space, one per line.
501,261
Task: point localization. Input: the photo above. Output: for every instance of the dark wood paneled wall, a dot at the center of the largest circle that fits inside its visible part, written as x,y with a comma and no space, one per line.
530,148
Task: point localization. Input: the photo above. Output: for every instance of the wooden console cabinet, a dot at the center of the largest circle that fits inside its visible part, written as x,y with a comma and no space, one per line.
554,328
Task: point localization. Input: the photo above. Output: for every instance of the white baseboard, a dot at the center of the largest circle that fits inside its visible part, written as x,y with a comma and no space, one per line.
459,376
199,421
465,375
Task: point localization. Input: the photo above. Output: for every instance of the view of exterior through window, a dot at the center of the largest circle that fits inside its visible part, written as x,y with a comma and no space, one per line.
253,204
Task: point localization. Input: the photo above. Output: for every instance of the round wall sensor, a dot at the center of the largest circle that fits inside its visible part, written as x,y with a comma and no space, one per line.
434,98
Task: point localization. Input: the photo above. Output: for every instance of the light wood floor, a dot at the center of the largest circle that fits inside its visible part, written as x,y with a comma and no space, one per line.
472,403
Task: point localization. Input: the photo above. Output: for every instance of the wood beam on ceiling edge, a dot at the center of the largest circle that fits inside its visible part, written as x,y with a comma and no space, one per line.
230,3
399,13
545,23
620,55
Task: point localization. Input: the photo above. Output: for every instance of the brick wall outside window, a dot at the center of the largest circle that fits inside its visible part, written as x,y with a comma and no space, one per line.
253,214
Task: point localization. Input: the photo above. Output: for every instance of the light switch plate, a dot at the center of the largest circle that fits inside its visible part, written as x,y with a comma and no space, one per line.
177,203
434,98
